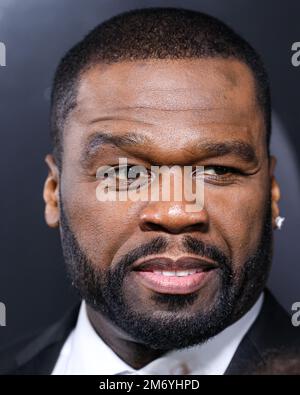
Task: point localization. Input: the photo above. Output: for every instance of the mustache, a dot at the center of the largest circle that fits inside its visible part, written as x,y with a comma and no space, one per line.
160,245
198,247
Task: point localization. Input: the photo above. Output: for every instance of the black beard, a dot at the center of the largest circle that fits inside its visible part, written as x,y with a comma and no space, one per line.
103,290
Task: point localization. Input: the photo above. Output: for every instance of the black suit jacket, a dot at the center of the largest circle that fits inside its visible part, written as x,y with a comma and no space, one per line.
271,331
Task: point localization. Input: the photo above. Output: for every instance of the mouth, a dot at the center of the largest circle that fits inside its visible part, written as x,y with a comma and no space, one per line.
182,276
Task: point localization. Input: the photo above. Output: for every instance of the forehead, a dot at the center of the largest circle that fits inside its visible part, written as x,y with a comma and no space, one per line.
174,94
168,84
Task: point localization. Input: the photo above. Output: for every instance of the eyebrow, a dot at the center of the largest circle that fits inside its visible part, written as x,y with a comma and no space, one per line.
98,139
238,148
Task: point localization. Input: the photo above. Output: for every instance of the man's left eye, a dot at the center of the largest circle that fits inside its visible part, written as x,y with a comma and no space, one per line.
216,171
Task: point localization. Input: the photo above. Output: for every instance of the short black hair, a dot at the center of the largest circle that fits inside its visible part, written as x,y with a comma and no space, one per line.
151,33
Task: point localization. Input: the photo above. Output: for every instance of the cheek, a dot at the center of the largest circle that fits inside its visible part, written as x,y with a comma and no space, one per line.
101,228
237,216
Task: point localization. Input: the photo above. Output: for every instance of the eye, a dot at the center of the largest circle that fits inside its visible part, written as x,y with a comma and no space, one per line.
217,173
125,177
219,170
132,177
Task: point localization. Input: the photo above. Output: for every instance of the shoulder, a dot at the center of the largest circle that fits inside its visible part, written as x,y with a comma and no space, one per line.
38,352
271,332
273,328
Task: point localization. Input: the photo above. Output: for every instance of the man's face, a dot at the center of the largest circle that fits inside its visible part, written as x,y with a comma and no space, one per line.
177,112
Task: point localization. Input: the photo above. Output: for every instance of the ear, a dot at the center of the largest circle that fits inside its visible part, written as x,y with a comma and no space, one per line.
51,193
275,191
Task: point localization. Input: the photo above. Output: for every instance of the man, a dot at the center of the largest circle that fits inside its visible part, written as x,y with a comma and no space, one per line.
165,290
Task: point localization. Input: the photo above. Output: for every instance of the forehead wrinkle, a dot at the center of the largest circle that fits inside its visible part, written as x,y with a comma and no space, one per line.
143,107
118,118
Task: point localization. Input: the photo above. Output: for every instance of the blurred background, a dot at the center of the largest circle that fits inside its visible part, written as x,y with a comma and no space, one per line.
36,34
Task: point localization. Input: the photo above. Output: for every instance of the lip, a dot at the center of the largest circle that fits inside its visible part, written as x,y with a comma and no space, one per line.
167,263
148,273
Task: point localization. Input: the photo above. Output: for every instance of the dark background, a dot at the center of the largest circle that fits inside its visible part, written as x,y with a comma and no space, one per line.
36,33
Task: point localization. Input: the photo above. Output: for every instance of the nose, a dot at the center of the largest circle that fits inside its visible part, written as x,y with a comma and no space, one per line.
172,218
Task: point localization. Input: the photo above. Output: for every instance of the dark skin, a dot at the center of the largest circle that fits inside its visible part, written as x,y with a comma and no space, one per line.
181,107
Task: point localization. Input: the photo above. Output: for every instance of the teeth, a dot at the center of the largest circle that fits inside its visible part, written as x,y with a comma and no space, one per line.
183,273
168,273
178,273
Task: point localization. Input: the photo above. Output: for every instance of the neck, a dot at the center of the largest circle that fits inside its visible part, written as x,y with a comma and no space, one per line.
135,354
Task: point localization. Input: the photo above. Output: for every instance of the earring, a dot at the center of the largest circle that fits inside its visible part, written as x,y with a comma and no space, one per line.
279,222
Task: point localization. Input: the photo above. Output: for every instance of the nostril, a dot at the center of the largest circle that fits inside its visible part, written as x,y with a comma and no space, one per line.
198,227
151,226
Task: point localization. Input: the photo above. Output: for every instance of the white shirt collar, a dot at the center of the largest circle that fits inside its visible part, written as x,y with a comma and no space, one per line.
85,353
